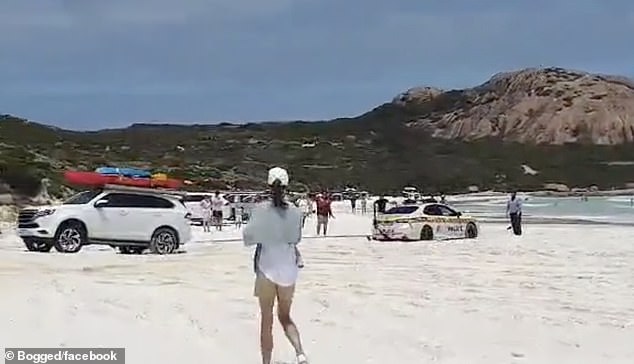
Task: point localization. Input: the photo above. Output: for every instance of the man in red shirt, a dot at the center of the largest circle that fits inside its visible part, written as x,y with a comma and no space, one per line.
324,212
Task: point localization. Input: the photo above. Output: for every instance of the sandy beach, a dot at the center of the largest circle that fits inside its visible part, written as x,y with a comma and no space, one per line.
558,294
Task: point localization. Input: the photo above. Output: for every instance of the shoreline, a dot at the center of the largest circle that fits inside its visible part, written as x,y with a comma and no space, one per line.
599,193
548,193
556,221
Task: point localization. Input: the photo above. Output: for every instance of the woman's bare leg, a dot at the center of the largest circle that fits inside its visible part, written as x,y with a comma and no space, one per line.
284,302
266,326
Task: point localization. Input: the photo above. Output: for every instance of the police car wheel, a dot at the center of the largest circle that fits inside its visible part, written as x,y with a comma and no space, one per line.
426,233
471,231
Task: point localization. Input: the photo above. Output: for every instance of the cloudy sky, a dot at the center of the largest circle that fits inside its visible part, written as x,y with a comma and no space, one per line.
89,64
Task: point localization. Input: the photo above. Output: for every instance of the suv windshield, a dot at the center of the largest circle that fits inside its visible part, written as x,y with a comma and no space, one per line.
82,197
401,210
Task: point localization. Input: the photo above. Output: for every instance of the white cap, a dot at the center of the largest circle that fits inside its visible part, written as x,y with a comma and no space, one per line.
277,173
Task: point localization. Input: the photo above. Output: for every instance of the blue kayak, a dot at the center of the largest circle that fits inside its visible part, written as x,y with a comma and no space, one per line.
125,172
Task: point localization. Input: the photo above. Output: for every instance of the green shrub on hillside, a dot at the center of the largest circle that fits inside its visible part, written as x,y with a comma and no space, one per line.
21,179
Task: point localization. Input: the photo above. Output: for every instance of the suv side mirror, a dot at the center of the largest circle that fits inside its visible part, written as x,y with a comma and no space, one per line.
101,203
458,213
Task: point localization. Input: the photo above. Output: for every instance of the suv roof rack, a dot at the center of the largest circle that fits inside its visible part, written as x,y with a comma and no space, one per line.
161,191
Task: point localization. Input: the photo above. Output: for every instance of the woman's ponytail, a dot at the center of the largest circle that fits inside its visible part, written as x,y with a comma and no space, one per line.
277,195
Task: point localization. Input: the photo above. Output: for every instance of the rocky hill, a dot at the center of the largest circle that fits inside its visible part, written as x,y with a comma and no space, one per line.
542,106
518,130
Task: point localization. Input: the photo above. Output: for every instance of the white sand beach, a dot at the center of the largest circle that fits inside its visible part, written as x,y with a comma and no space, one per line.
559,294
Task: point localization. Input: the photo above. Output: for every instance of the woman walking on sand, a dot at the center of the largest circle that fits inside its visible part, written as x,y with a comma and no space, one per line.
275,227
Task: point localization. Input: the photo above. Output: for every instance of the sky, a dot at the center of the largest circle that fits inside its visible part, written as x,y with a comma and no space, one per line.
92,64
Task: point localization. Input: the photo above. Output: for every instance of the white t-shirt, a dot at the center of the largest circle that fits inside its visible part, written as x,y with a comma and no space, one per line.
514,206
278,233
278,263
205,206
217,203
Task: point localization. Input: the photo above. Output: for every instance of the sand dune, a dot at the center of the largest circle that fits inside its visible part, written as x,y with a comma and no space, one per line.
559,294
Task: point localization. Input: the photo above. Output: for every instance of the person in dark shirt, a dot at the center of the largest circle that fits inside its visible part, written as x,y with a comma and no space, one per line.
379,207
353,203
324,212
380,204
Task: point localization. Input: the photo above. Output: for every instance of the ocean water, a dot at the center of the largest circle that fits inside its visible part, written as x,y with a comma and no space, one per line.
617,210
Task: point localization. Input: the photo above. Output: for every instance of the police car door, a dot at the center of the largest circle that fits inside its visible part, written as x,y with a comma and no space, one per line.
435,214
453,226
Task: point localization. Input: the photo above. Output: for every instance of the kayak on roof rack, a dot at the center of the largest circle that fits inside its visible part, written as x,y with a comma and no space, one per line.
125,172
95,179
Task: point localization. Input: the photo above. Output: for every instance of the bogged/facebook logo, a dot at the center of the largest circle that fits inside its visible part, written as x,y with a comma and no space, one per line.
43,356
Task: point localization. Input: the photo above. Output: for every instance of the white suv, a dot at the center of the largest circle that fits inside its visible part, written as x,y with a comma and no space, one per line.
131,219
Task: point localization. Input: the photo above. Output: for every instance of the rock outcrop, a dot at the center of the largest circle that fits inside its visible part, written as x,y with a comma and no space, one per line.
417,95
536,106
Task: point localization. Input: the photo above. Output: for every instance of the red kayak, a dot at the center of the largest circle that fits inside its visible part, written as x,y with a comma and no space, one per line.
94,179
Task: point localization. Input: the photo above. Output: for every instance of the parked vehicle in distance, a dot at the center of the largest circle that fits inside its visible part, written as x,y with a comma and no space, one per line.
131,219
411,193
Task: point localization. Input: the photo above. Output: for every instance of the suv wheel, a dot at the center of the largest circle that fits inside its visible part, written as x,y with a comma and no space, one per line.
164,241
69,238
38,246
131,249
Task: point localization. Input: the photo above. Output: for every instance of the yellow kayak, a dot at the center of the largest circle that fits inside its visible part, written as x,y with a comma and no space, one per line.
159,176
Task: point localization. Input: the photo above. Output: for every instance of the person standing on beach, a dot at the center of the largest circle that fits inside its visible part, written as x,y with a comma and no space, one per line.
217,203
380,205
205,208
306,207
443,200
239,217
364,204
275,229
353,203
514,211
379,208
324,212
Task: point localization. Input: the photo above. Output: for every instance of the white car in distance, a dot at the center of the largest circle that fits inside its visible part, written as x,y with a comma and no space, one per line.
128,218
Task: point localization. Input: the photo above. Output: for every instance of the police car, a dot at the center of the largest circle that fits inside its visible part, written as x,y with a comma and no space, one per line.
423,222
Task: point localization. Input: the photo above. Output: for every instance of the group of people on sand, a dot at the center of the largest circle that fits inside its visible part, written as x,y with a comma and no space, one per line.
363,200
211,208
322,206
